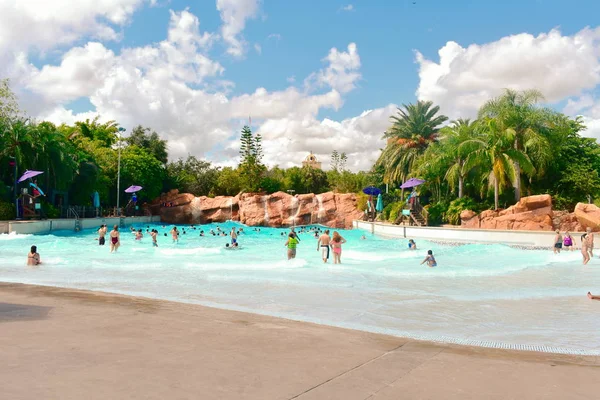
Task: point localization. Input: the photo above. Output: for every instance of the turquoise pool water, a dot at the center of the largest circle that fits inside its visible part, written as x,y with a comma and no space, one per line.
488,295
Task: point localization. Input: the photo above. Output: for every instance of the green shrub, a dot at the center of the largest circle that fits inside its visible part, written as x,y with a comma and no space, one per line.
50,211
452,214
395,211
435,212
561,203
7,211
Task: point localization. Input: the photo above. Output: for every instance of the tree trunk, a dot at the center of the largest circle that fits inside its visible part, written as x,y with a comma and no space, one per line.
496,191
461,184
517,176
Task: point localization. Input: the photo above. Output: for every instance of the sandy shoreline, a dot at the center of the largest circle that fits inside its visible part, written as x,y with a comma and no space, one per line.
71,344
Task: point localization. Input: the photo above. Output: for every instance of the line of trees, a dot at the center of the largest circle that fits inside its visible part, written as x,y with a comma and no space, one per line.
515,147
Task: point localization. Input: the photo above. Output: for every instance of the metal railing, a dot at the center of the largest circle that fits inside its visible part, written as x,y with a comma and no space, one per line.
72,213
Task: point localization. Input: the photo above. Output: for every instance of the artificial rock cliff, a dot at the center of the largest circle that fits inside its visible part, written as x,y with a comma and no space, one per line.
534,213
278,209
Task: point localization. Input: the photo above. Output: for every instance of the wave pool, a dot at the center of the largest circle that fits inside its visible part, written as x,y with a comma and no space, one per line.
485,295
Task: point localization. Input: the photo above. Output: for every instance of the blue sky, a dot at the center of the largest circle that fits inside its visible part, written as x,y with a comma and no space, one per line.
75,65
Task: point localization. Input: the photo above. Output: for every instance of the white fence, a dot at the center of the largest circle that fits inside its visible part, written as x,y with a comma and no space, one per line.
523,238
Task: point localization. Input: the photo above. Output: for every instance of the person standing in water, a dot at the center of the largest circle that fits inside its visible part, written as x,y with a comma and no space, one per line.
153,235
568,241
590,241
336,246
175,234
101,234
115,239
291,244
323,245
33,258
558,242
584,250
234,236
429,259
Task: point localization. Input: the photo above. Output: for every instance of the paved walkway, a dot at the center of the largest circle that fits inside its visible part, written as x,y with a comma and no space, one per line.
67,344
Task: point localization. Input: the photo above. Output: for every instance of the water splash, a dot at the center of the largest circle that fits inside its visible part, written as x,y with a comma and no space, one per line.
196,209
264,200
295,203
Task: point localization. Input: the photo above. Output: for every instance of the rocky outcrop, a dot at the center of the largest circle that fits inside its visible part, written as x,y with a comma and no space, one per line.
276,210
588,215
534,213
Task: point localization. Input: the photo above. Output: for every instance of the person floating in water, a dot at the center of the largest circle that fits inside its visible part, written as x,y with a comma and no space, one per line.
412,245
175,234
323,245
115,240
568,241
101,234
153,235
336,246
291,244
558,242
33,258
592,297
429,259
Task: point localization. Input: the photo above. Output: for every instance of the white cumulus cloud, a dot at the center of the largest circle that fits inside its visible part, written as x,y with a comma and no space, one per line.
342,72
234,14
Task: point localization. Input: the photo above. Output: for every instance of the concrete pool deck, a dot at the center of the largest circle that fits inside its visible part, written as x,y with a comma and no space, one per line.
69,344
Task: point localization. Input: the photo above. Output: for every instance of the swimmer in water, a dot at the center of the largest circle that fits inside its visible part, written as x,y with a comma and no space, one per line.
233,235
115,239
101,234
412,245
175,234
569,241
558,242
323,245
592,297
363,237
139,235
153,235
584,250
429,259
291,244
336,246
33,258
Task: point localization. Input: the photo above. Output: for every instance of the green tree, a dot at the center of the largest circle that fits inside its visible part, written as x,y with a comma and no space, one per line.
520,112
149,140
229,182
193,176
313,180
251,167
495,151
9,106
139,167
414,128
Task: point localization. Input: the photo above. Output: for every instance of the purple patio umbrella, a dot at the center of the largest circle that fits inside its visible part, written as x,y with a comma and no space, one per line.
412,182
133,189
30,174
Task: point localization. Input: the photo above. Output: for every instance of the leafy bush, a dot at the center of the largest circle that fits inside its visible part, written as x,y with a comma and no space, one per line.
452,214
560,203
50,211
7,211
395,211
436,212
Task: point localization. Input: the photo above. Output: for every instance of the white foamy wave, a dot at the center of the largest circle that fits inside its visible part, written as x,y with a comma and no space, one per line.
14,236
197,250
375,256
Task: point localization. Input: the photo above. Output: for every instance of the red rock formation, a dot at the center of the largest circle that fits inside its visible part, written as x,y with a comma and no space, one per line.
534,213
277,209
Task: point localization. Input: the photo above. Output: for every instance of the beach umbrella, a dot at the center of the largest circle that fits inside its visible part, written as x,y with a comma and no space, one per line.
96,200
379,205
29,174
412,182
133,189
371,191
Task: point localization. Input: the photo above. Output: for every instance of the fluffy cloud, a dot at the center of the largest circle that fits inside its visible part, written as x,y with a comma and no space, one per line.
234,14
560,66
342,72
174,87
45,24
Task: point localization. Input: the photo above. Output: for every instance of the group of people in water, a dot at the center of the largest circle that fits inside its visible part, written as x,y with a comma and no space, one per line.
567,242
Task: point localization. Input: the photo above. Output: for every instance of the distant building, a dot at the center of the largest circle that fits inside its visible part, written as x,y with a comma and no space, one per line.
311,161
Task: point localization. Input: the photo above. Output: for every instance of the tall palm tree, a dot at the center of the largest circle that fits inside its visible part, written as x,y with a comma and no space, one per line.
494,150
520,112
413,129
453,138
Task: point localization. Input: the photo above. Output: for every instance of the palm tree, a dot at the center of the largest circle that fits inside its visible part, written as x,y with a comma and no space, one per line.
459,132
519,111
495,151
413,129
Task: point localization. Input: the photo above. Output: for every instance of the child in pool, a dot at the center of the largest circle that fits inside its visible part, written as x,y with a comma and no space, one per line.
33,258
429,259
412,245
